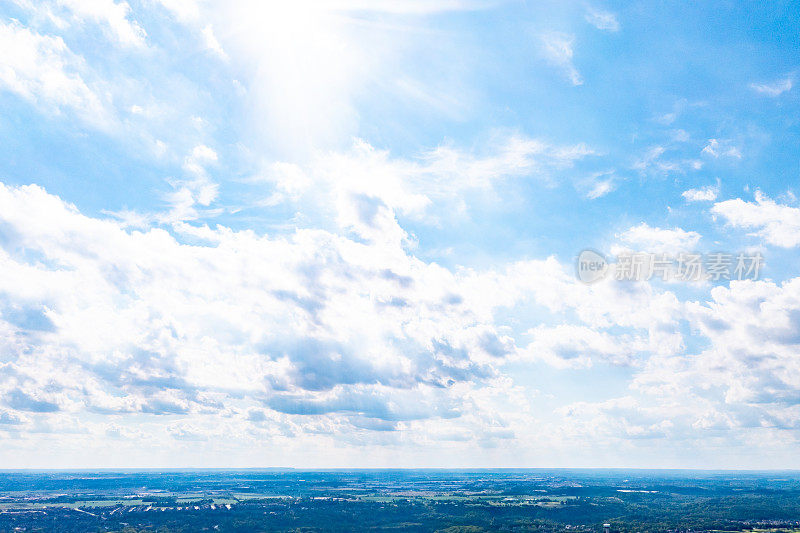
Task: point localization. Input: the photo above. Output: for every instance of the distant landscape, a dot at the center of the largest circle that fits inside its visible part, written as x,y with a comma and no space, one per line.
399,500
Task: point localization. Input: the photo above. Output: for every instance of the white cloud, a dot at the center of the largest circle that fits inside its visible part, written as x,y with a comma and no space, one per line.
657,240
619,420
316,336
143,116
113,15
510,156
746,377
707,193
680,136
558,50
138,322
652,161
598,185
314,330
42,70
776,223
716,148
651,156
212,43
190,197
602,20
434,186
600,188
572,346
774,89
741,385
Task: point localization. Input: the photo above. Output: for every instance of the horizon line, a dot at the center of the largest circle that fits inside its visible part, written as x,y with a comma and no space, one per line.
394,469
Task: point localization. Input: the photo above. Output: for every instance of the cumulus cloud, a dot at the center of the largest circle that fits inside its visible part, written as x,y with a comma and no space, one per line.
43,70
18,399
311,331
777,224
707,193
619,420
572,346
660,240
143,323
316,335
746,377
740,384
198,189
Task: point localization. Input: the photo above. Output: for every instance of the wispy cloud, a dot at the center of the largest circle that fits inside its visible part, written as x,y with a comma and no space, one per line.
718,148
602,20
600,188
558,50
773,89
597,185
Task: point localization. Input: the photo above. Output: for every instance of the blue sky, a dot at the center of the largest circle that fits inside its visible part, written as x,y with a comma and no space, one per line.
344,233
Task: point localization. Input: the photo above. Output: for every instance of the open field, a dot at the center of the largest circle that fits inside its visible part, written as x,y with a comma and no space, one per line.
414,500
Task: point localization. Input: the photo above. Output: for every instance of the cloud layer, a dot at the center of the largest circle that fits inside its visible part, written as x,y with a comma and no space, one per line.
244,235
